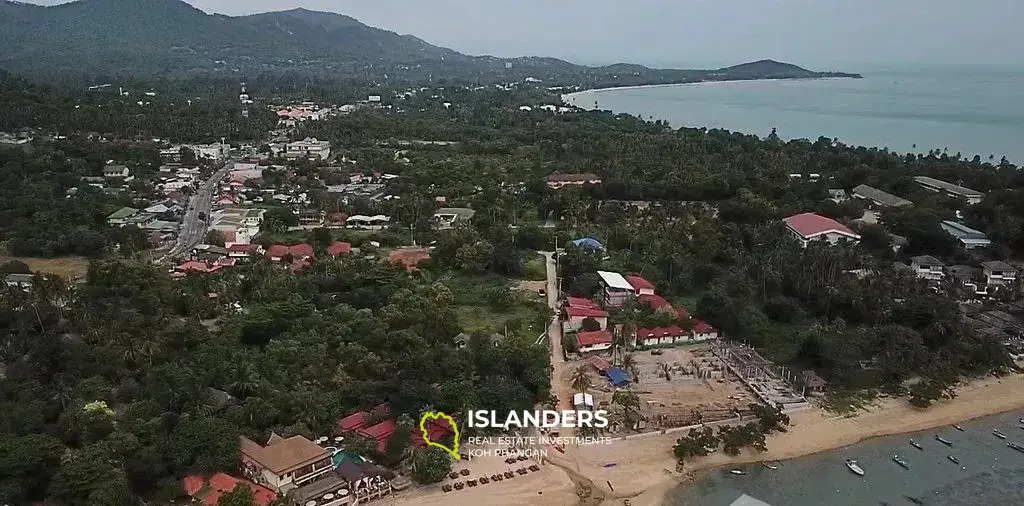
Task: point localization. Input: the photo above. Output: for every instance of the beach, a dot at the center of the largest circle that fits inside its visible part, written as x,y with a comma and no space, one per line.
642,467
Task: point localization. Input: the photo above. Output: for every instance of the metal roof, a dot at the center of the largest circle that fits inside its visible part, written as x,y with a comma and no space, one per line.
614,280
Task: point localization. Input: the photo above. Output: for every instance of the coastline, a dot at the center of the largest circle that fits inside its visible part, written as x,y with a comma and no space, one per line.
641,467
565,96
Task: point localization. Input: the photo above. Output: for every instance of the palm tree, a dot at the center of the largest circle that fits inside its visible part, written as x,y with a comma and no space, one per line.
629,365
581,379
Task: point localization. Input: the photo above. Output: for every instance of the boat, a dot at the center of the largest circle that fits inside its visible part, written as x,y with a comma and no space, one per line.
953,459
1020,420
943,440
915,444
915,500
852,464
998,434
957,427
738,472
1016,446
769,465
901,462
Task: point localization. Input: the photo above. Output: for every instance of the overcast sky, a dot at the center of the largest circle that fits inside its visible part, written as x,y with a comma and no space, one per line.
819,33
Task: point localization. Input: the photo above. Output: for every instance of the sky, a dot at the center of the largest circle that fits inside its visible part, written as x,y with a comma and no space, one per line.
824,34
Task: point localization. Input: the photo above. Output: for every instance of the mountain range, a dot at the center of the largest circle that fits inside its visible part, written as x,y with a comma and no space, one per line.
172,38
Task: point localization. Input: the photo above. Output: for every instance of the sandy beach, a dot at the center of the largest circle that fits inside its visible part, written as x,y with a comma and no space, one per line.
642,467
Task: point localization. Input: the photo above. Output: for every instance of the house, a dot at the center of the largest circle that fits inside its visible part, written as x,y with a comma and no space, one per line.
702,331
336,220
661,335
448,217
575,314
837,195
999,273
375,222
195,267
338,248
284,464
410,258
615,288
19,280
879,197
956,191
807,227
242,251
277,252
120,217
927,267
311,218
594,341
587,243
359,420
968,237
308,148
640,285
115,171
208,491
557,181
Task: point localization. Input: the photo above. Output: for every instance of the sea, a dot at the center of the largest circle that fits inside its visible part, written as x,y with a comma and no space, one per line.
970,109
989,473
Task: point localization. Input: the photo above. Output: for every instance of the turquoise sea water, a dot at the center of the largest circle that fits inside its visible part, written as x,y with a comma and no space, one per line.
989,474
967,109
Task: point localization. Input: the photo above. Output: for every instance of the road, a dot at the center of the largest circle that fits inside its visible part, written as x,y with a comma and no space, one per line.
193,229
559,388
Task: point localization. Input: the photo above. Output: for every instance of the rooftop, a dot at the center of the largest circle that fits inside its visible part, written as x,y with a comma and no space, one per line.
614,280
593,338
811,224
949,187
639,283
926,260
884,198
283,455
998,266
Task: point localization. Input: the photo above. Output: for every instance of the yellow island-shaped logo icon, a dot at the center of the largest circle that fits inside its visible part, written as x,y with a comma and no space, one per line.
432,416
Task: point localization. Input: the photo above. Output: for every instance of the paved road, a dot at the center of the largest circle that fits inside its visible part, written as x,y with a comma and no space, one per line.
193,230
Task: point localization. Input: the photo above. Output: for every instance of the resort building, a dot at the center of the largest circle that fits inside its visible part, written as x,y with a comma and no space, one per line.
375,222
878,197
640,285
594,341
448,217
284,464
807,227
120,217
616,290
308,148
999,273
208,491
968,237
927,267
956,191
577,309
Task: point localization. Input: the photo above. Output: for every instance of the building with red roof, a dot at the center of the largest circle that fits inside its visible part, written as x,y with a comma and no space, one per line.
277,252
301,251
574,316
339,248
655,302
209,490
196,267
702,331
661,335
242,251
599,363
807,227
581,302
641,285
594,341
381,433
437,430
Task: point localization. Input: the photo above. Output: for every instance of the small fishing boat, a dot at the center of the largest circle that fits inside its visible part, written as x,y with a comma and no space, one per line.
915,444
769,465
1020,420
953,459
943,440
1016,446
957,427
998,434
901,462
915,500
852,464
739,472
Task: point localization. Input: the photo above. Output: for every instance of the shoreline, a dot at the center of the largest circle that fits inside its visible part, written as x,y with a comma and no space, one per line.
565,96
642,468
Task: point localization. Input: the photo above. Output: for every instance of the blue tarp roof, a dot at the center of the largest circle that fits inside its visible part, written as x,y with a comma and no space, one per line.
588,242
618,377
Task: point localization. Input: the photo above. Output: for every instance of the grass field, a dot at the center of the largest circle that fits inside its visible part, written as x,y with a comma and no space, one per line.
67,267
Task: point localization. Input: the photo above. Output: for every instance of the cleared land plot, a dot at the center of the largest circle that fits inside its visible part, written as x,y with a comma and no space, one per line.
66,267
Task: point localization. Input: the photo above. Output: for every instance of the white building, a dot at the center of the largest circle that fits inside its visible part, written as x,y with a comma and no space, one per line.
308,148
999,273
616,290
807,227
928,267
376,222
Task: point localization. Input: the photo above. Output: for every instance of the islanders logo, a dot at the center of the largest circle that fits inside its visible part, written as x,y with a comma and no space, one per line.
432,416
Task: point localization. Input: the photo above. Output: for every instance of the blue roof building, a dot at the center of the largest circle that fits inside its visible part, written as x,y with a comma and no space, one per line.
588,242
618,377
